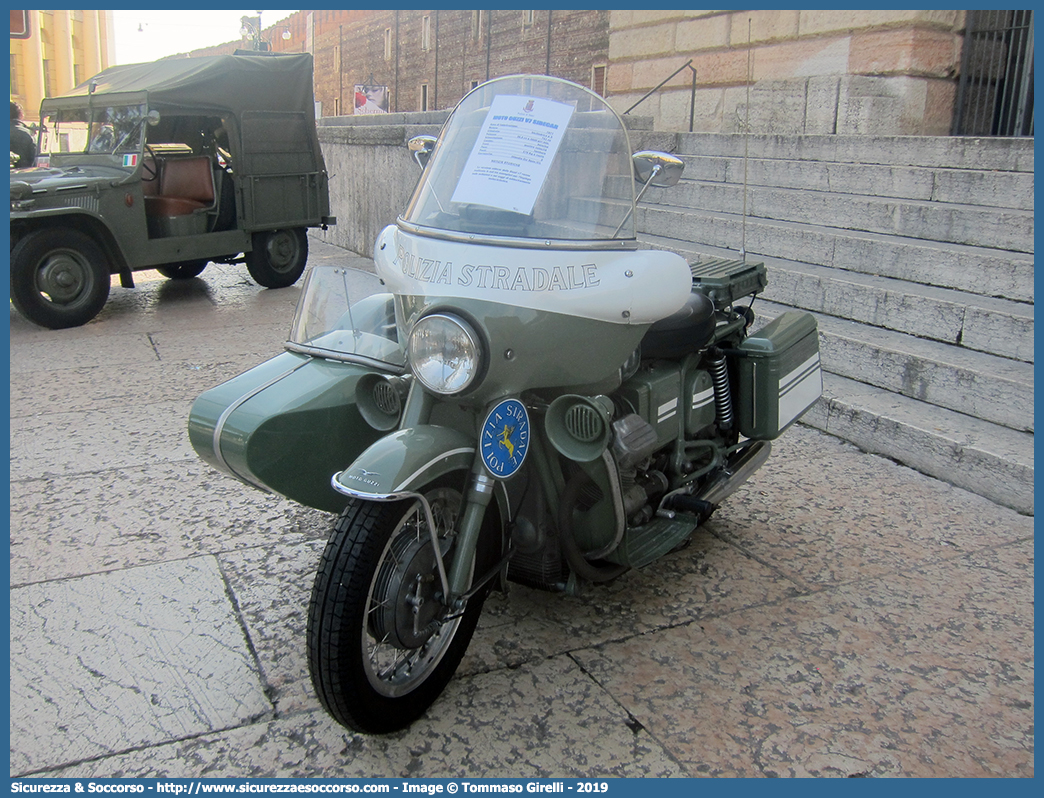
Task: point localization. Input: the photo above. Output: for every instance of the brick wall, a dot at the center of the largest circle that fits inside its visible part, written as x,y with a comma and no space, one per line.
857,72
464,47
889,72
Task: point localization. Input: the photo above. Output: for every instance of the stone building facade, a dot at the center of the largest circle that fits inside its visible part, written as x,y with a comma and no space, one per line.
429,59
858,72
891,72
63,49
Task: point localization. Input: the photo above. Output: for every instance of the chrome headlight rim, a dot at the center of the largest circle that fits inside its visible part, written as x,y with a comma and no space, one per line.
474,341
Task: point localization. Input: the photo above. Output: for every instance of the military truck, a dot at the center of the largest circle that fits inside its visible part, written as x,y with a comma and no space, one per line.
169,165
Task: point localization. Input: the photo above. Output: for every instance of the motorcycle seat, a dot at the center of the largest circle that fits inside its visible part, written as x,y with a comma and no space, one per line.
686,330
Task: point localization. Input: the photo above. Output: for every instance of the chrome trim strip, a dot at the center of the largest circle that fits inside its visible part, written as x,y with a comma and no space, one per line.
351,493
548,244
502,484
341,357
219,425
482,483
426,466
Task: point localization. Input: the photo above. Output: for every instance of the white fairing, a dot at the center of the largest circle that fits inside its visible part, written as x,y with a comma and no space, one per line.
631,287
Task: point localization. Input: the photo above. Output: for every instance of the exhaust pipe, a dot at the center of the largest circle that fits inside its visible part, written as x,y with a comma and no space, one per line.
738,471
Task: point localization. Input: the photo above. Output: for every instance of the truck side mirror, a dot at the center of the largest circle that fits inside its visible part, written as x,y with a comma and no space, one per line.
421,147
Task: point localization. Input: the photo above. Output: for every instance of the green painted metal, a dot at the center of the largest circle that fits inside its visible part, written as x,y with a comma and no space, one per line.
261,105
654,393
595,526
480,492
699,398
287,426
645,544
769,355
408,459
588,353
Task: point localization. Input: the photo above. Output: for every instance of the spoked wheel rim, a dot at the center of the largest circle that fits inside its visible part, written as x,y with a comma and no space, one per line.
65,277
406,635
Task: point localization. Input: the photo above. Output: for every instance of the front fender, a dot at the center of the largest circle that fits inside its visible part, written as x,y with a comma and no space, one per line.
402,462
85,220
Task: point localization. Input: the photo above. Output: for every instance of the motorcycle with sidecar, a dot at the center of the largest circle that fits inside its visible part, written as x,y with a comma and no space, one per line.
523,394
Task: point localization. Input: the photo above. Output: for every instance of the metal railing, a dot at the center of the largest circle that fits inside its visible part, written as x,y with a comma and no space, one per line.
662,83
995,92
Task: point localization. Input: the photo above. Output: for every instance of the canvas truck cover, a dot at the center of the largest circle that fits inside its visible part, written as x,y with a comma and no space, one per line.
278,161
220,83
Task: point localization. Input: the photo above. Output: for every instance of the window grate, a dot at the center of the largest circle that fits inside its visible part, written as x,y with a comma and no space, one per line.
995,92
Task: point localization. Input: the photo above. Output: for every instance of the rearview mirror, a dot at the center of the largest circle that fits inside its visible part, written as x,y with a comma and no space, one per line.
660,169
421,147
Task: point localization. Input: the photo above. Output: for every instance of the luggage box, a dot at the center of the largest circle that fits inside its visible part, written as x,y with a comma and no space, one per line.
779,375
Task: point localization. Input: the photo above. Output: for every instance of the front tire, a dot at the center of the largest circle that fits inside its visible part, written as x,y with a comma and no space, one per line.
278,257
59,278
183,270
380,649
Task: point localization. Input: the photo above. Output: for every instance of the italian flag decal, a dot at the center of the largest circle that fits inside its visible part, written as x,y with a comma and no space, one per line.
130,159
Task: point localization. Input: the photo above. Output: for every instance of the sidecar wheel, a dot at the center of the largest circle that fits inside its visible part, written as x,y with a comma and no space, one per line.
380,649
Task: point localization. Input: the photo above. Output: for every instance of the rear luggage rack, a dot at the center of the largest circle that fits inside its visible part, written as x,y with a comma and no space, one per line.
724,280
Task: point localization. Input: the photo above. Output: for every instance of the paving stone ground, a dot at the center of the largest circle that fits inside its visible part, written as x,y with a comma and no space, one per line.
839,616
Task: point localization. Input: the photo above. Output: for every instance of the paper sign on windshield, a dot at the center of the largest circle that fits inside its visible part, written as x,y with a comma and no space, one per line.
513,153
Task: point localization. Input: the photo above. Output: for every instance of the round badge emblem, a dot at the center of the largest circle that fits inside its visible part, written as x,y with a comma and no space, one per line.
505,438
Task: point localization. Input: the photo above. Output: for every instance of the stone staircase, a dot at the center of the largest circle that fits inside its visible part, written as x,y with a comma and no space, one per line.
915,255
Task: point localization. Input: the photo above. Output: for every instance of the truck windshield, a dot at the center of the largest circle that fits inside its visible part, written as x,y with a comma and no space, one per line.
101,130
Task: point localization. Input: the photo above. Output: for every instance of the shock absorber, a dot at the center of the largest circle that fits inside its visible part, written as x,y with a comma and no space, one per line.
722,394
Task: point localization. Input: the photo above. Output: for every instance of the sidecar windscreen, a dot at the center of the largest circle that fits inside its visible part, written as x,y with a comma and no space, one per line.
342,314
529,157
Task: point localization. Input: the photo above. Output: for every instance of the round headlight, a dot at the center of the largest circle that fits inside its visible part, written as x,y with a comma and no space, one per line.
444,353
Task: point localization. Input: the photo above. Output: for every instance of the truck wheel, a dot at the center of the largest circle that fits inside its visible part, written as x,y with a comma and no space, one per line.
381,646
278,258
183,270
59,278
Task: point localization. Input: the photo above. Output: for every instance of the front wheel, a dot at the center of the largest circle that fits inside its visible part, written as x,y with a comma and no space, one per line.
278,257
59,278
381,646
183,270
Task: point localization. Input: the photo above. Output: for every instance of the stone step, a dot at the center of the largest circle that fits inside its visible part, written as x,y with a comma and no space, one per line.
983,324
975,384
932,152
977,187
993,228
976,270
986,459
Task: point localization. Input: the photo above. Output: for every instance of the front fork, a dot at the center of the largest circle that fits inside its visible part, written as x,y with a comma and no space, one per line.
479,495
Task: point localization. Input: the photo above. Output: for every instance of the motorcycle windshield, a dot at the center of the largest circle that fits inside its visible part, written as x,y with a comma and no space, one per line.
531,158
342,314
